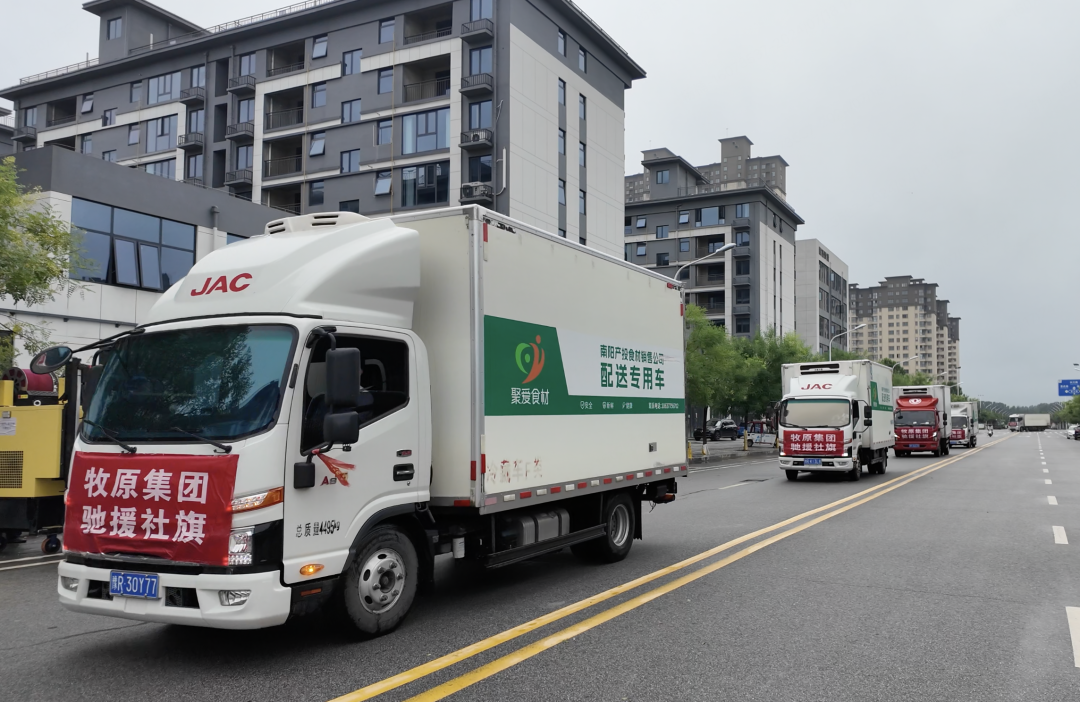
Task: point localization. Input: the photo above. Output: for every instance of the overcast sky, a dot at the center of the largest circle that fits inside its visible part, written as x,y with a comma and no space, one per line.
936,139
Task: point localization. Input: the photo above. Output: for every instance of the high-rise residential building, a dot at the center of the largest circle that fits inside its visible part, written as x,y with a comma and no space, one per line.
908,323
360,105
677,213
821,296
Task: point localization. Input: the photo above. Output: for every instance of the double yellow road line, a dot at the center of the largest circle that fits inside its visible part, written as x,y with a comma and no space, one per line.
511,659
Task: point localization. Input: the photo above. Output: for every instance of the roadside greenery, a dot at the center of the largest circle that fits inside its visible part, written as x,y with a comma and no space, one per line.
1069,412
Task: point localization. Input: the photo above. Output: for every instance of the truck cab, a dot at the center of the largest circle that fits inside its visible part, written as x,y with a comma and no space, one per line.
922,420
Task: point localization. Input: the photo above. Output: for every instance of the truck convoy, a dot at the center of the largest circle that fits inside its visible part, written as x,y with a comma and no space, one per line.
965,424
1034,422
312,415
1014,422
835,417
922,421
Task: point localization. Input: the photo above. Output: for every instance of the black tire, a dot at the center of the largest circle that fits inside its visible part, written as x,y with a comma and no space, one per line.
51,545
883,466
749,443
620,518
3,540
855,474
792,474
937,452
947,448
357,597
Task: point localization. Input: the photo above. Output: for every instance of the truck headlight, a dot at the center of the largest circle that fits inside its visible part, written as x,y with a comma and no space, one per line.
233,598
935,435
241,546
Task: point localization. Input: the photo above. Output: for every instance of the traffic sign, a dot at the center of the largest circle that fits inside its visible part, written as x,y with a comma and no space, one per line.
1068,388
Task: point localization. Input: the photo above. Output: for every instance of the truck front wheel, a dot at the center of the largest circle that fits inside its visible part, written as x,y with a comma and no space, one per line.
856,470
621,525
379,587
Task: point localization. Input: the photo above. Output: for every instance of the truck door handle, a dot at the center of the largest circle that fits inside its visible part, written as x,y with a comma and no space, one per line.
404,471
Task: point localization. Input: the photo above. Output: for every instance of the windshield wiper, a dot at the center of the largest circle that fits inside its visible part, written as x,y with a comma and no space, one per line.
217,444
111,436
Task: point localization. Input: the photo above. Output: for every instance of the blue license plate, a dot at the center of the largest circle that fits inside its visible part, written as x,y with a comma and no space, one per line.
812,462
913,446
143,585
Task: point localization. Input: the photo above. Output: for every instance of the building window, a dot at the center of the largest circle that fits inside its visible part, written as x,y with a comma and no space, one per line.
318,47
581,240
661,259
383,179
109,156
662,177
480,169
133,133
425,185
196,122
562,91
136,92
581,60
562,141
562,192
350,61
318,144
684,217
385,132
115,28
318,95
480,115
130,248
87,103
108,117
316,189
247,64
742,296
562,42
661,231
480,60
581,106
386,31
161,134
640,249
244,156
641,222
581,154
350,161
349,206
684,245
742,267
708,216
86,144
350,111
29,117
425,131
165,169
479,9
581,201
198,77
742,324
742,210
742,238
246,110
386,80
163,88
194,166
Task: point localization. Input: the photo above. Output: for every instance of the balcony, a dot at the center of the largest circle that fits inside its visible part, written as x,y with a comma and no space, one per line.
193,96
242,84
25,134
478,30
477,139
741,280
477,194
712,307
191,140
284,70
741,250
286,197
479,84
428,90
740,309
281,119
428,36
60,121
198,182
279,167
240,131
238,177
428,24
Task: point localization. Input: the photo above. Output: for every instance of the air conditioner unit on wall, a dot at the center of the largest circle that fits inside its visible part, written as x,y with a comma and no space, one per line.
470,190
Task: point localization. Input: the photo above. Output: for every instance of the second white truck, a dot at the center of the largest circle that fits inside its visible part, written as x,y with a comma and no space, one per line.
965,424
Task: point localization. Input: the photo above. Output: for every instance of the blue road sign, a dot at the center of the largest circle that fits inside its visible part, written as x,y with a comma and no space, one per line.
1068,388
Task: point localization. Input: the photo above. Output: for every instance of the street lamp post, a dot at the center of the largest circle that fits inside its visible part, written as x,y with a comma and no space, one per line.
840,335
722,249
904,361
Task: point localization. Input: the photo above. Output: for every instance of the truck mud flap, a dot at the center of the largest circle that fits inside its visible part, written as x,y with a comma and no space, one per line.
521,553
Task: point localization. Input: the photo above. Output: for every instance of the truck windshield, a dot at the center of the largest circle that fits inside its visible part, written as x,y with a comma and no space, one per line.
916,418
807,414
218,382
959,422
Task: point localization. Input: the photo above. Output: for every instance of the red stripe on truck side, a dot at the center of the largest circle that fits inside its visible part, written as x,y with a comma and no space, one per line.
485,232
607,481
462,503
555,490
524,495
472,471
483,463
629,476
582,485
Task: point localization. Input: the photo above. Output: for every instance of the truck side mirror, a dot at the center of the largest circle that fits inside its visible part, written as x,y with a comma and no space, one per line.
867,413
342,427
868,422
50,359
343,377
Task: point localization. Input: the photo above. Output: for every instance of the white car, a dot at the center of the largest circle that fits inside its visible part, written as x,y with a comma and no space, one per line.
1070,431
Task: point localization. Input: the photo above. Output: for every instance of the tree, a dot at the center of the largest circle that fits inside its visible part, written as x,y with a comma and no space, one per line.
37,249
1069,412
715,372
764,355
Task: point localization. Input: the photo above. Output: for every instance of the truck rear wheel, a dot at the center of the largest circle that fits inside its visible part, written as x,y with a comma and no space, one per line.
379,587
621,526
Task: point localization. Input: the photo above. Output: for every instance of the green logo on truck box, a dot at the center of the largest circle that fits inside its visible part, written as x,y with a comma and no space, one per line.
573,373
880,398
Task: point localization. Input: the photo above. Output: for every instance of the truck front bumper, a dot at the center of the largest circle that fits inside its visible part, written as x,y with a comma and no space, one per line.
267,605
833,464
916,445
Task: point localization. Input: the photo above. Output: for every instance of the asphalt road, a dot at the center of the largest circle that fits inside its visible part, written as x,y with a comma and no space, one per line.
941,580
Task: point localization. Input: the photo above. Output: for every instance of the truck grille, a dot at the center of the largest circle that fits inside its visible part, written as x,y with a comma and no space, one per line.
11,469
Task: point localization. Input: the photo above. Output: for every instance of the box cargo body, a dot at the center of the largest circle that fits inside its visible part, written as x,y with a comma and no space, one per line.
965,424
1034,422
836,417
922,420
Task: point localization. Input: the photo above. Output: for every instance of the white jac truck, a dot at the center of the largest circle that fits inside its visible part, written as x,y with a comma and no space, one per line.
965,424
922,420
313,415
835,417
1034,422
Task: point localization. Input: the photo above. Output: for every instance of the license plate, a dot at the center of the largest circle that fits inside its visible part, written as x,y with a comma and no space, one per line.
144,585
913,446
812,462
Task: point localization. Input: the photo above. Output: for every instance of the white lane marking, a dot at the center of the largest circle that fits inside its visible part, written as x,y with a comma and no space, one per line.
731,486
31,558
31,565
1044,463
734,465
1048,481
1059,536
1073,615
1051,499
1046,470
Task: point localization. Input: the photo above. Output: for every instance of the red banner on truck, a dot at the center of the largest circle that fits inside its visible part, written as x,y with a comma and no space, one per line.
958,435
915,432
175,507
819,442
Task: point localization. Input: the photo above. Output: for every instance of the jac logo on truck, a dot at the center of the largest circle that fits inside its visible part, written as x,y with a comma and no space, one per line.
532,354
224,285
818,386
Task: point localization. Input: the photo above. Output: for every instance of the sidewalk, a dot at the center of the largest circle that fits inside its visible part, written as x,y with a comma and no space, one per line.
720,451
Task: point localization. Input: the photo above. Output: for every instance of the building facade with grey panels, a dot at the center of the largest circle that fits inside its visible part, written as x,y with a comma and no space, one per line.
375,106
683,215
821,296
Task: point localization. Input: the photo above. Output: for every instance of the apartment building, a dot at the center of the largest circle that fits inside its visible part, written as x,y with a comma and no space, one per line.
907,322
821,296
677,213
371,106
7,132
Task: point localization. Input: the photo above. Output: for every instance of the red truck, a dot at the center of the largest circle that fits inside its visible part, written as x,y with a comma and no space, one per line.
921,420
